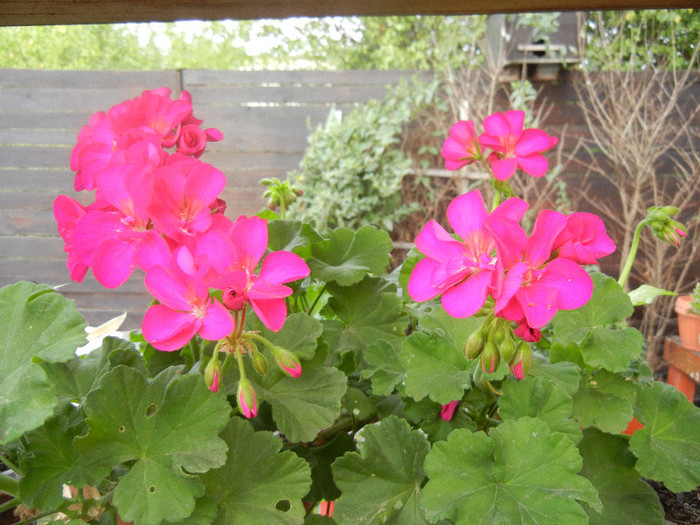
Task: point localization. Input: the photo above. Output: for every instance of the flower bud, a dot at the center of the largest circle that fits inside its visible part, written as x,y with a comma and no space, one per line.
259,363
663,226
490,358
475,345
522,363
447,411
212,373
247,402
287,361
507,350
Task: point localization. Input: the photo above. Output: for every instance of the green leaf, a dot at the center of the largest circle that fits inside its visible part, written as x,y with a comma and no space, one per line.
535,397
167,425
381,482
347,256
36,323
50,462
602,345
75,378
609,465
519,473
604,400
565,374
454,331
668,447
384,367
289,235
320,458
299,334
302,406
365,313
256,478
645,294
434,368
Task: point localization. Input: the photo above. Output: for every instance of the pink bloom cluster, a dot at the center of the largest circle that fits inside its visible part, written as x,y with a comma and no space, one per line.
157,208
530,278
511,146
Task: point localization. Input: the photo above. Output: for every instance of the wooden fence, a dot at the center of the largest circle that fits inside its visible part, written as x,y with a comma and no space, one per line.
265,118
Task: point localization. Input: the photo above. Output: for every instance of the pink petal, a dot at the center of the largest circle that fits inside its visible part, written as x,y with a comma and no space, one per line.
539,246
539,303
503,169
512,209
420,286
437,244
167,289
510,284
573,283
272,312
152,251
167,329
283,267
535,165
249,235
534,141
92,229
466,213
113,262
217,323
467,298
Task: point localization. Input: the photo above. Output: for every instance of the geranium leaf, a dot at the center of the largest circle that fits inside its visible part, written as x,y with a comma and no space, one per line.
434,368
519,473
365,313
50,462
564,373
299,334
75,378
302,406
36,323
345,257
609,465
646,294
455,331
289,235
542,399
256,478
167,425
668,447
604,400
602,345
381,482
384,367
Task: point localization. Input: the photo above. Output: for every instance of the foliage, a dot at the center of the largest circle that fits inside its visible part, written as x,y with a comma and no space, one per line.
638,39
352,170
360,395
695,299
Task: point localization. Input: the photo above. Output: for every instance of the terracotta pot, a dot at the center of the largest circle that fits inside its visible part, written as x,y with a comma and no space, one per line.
688,324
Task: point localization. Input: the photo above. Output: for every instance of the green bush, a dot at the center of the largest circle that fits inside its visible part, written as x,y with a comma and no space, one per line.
352,169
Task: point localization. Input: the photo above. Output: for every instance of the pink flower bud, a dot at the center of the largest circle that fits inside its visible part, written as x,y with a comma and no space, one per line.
247,401
522,363
287,361
448,410
212,374
233,298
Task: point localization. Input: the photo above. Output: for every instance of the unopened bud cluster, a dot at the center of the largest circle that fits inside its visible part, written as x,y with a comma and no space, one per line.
664,227
495,342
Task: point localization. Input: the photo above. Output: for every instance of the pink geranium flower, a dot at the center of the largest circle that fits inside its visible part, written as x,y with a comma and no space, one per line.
514,147
463,271
536,285
67,212
185,307
186,190
583,239
235,257
461,147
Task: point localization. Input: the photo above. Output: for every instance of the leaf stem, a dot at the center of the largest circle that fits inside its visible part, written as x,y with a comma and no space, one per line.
9,485
9,504
624,275
318,297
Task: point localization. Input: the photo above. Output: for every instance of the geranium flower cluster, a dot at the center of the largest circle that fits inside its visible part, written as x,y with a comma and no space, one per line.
157,208
528,278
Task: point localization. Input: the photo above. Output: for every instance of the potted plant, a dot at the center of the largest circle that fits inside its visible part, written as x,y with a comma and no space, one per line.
281,369
688,310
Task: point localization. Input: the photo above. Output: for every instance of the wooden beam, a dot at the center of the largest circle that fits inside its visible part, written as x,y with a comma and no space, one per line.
54,12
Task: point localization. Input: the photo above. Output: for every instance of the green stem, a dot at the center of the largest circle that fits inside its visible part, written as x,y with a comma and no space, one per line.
241,368
283,208
311,309
258,337
9,485
9,504
624,275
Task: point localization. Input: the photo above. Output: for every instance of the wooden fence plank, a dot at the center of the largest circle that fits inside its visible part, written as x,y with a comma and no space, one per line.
193,77
60,80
